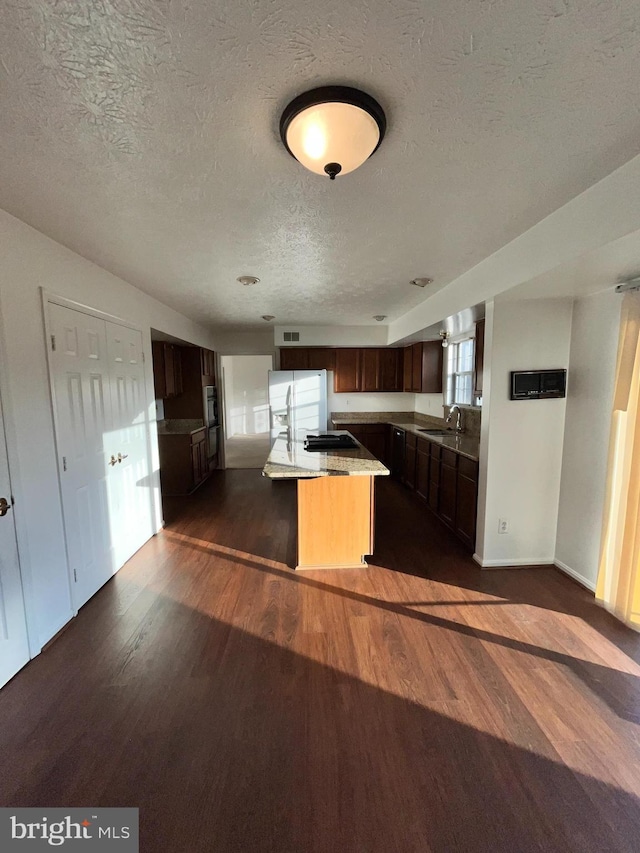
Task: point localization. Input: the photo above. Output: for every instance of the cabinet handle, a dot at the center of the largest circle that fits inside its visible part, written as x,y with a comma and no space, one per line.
113,461
5,506
122,456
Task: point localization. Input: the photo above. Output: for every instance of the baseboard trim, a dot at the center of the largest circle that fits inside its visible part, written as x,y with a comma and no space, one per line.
563,567
515,564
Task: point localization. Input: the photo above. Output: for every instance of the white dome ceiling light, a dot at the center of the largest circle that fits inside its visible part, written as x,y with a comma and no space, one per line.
332,130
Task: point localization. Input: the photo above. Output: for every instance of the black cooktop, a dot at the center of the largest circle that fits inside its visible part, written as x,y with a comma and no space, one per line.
329,442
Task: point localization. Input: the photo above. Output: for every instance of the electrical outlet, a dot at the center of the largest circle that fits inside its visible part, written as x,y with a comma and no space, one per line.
503,525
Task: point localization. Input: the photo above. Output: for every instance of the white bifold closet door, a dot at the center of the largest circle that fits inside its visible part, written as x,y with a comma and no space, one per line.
102,442
14,646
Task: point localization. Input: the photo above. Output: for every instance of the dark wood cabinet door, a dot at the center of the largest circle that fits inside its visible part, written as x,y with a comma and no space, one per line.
195,464
347,374
370,369
431,367
448,484
423,459
466,503
479,360
407,369
410,465
357,431
416,367
321,358
434,493
390,369
170,370
377,444
294,358
159,376
208,366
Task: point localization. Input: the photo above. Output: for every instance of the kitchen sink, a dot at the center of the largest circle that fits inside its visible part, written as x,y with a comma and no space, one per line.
437,431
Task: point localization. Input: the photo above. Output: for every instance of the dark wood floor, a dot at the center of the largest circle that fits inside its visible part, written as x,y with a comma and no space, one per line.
418,705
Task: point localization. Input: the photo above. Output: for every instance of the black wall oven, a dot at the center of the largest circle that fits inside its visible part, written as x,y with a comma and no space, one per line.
211,405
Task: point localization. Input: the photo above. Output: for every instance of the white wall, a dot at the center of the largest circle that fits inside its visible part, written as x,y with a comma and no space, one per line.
28,261
334,336
592,363
252,342
376,402
521,441
246,394
430,404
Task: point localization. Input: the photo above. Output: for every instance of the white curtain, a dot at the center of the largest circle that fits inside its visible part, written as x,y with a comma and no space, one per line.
618,587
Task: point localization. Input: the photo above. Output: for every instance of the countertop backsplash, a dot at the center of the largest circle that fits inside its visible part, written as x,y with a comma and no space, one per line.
470,419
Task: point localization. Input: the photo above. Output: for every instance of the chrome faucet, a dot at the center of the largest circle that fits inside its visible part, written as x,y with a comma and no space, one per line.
448,419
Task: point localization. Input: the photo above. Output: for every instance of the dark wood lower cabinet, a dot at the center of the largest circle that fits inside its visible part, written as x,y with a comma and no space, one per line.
448,493
434,477
447,481
466,508
423,459
371,436
183,462
409,477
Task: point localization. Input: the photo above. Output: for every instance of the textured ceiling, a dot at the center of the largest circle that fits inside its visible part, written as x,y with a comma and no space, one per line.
143,135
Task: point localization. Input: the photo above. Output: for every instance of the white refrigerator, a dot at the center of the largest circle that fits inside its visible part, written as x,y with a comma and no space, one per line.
297,400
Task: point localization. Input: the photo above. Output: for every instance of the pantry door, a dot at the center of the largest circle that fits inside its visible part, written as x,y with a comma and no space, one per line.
14,646
82,398
130,481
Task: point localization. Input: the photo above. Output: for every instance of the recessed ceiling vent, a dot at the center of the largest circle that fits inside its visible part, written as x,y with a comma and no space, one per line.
291,336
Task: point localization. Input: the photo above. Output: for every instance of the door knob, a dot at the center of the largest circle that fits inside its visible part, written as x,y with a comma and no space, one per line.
5,506
113,461
122,456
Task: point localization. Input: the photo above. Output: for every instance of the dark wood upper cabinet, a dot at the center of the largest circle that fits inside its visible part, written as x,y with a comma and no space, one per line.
370,367
167,370
479,360
390,363
321,358
208,367
431,365
407,369
356,368
294,358
423,368
347,376
416,367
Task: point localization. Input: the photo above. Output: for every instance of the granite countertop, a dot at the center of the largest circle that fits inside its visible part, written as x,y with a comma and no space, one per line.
180,426
465,445
289,459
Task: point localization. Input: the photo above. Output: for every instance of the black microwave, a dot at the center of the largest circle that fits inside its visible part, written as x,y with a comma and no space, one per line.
538,384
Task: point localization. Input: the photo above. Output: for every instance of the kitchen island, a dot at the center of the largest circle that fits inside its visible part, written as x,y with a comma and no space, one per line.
336,499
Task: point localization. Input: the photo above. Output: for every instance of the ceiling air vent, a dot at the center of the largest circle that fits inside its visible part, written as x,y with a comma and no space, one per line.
292,336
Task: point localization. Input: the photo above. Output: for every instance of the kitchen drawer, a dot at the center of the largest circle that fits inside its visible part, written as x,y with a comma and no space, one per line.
424,445
435,450
449,457
468,468
411,439
197,437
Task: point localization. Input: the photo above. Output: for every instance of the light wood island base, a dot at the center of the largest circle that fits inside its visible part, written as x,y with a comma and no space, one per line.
335,521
